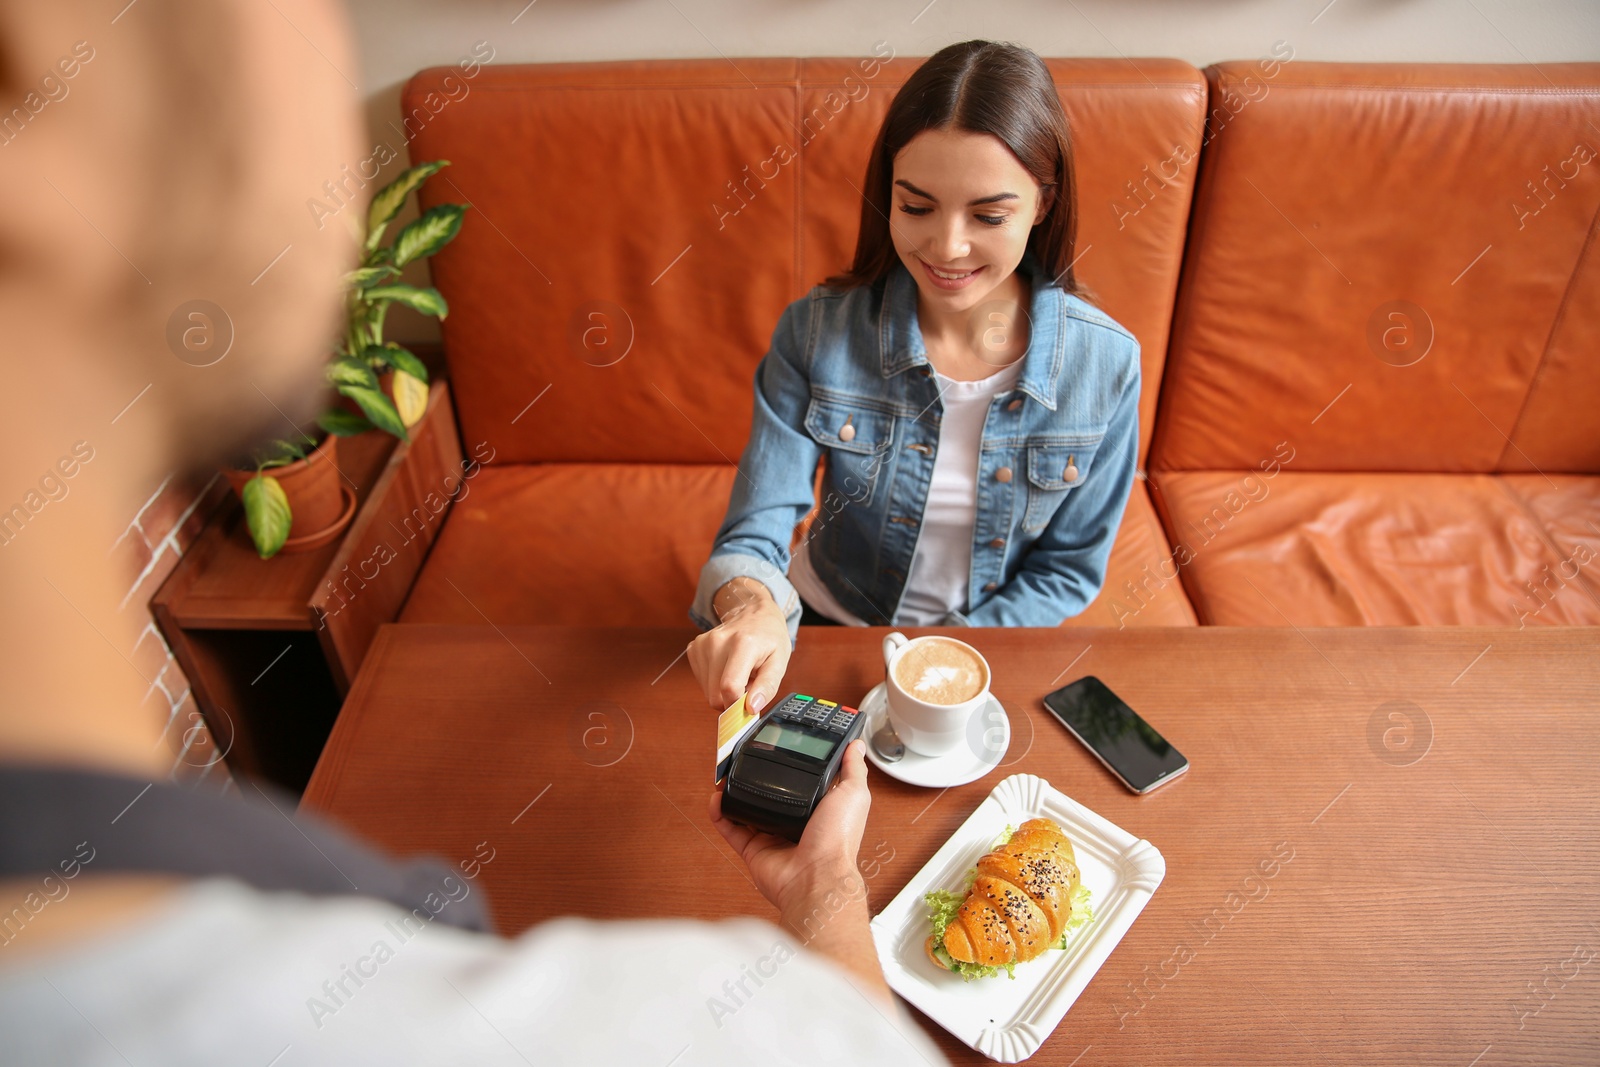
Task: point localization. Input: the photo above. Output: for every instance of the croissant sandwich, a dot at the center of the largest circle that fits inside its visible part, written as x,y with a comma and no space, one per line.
1023,897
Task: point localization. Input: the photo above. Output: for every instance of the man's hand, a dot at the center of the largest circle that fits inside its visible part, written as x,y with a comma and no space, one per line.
747,652
820,895
787,873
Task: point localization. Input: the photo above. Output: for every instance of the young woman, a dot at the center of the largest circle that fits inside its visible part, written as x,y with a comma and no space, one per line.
977,417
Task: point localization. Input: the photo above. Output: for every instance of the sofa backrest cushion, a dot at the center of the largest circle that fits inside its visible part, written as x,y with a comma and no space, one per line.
638,227
1391,268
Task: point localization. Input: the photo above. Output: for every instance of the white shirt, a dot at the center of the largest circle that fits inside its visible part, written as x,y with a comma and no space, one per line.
224,973
941,565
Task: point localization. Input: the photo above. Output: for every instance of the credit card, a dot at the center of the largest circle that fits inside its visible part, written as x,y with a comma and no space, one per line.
732,725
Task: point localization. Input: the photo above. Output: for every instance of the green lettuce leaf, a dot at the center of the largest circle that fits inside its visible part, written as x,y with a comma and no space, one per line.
1082,915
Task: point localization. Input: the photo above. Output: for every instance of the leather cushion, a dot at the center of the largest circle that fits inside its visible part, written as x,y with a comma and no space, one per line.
1569,507
574,544
622,544
1142,586
1371,276
1312,549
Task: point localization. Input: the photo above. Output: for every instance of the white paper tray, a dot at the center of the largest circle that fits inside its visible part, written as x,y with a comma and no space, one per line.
1005,1019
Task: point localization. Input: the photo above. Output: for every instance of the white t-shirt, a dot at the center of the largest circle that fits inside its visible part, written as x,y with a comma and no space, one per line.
224,973
941,564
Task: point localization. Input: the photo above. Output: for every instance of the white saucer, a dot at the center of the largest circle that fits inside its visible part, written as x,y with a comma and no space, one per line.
967,763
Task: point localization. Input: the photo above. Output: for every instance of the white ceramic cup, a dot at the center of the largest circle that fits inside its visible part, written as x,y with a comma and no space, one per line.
925,727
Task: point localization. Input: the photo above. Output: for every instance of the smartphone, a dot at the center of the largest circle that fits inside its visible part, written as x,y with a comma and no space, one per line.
1130,748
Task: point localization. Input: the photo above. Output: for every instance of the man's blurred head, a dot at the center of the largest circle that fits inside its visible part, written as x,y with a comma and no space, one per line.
166,297
149,162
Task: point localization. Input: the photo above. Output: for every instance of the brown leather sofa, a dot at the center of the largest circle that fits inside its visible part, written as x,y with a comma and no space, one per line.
1367,296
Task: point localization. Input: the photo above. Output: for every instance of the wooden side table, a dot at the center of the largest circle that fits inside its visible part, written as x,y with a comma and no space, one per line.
270,646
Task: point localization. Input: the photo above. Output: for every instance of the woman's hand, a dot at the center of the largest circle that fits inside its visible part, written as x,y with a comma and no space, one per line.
747,652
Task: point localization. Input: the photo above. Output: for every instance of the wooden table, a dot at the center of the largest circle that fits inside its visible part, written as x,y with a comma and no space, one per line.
1434,792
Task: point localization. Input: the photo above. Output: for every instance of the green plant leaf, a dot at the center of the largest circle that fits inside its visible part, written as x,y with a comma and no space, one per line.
427,301
280,453
426,234
377,407
266,511
342,423
363,277
299,449
351,372
361,324
410,397
398,358
386,203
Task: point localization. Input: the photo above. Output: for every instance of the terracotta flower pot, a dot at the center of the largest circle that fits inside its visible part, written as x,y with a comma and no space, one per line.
312,486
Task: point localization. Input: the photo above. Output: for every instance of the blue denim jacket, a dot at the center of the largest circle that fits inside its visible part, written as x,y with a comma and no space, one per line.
1040,542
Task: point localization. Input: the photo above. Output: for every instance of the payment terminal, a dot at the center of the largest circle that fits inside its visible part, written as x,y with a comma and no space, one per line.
785,764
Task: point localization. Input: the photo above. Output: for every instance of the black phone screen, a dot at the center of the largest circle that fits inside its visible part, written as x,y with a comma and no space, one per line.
1127,744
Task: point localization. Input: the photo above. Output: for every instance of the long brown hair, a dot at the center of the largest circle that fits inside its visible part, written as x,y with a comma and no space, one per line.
981,87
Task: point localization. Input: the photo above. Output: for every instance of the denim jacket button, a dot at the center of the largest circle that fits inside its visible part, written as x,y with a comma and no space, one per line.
990,587
1071,473
847,432
998,542
1014,405
1003,474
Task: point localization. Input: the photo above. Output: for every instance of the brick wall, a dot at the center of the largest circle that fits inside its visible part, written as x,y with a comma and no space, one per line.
163,529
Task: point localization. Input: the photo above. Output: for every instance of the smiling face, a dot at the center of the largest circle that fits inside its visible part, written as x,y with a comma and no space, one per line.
963,207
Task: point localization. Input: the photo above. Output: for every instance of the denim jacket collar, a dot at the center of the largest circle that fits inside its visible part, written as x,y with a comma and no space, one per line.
900,336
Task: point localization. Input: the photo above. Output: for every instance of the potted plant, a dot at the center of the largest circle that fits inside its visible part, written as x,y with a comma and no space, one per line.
302,504
363,355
